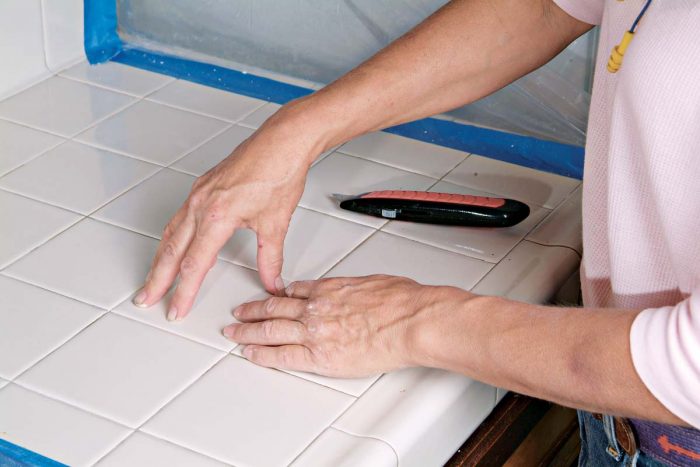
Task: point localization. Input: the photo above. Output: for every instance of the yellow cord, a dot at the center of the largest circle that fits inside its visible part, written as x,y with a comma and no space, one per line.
618,52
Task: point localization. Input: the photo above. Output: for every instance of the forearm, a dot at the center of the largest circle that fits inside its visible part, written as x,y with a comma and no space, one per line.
465,51
576,357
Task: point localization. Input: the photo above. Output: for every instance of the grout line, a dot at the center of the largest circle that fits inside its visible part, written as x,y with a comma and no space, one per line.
228,127
204,114
44,38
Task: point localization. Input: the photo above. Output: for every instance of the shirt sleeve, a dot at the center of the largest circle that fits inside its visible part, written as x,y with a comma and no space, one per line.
588,11
665,346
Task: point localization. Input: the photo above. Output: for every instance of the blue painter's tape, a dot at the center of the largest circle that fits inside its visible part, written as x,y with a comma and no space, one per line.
210,75
12,455
549,156
100,25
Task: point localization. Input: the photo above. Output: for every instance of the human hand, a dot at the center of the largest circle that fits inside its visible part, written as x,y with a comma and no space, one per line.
342,327
256,187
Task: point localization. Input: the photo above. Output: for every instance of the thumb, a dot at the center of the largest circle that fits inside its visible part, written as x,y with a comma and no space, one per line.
271,256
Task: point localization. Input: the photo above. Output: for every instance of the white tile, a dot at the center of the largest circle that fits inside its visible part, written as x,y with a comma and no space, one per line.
207,100
314,243
212,152
20,144
27,224
21,45
62,106
54,429
397,256
153,132
424,414
349,175
513,181
33,322
487,244
405,153
63,29
257,118
3,383
142,450
120,369
118,77
352,386
563,227
77,177
93,262
225,287
268,420
340,449
148,207
530,273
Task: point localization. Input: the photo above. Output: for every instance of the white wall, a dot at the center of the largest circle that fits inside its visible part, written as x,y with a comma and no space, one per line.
37,39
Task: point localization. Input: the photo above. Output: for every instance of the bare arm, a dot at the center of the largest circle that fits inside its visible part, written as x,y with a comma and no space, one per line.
465,51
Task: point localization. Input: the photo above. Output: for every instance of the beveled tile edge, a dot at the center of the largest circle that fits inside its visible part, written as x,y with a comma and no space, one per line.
438,438
360,444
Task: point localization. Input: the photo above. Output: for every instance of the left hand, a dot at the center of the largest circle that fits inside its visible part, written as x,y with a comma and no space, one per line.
342,327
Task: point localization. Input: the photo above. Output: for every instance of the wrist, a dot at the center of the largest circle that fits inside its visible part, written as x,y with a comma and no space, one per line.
449,329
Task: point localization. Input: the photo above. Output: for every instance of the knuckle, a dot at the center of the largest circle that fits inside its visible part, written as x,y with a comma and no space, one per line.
188,265
169,250
270,306
268,329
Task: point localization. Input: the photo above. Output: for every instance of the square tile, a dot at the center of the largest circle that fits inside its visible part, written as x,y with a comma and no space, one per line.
487,244
62,106
63,29
335,447
77,177
424,414
225,287
153,132
27,224
120,369
315,242
93,262
148,207
21,45
206,100
54,429
212,152
20,144
350,175
405,153
257,118
513,181
352,386
530,273
267,421
34,321
118,77
142,450
563,227
397,256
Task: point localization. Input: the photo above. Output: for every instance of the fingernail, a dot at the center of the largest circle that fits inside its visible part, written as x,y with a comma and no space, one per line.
228,332
279,284
140,299
247,351
237,312
172,314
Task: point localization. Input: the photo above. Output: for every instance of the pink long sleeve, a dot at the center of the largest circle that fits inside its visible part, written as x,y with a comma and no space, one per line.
641,195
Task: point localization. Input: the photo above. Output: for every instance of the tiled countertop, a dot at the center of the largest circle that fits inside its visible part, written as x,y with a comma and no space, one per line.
94,161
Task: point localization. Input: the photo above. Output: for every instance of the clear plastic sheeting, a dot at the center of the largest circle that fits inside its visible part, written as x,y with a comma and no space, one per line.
312,42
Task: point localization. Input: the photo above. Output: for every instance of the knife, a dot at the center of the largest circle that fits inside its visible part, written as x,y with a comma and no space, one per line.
437,208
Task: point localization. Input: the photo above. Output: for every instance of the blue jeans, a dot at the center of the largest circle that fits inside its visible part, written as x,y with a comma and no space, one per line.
599,448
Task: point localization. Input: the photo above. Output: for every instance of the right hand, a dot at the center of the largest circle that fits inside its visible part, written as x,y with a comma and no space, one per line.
257,187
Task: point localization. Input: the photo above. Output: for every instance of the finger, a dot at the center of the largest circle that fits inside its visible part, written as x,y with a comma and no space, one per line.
199,258
271,257
286,357
166,263
300,289
270,332
273,307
